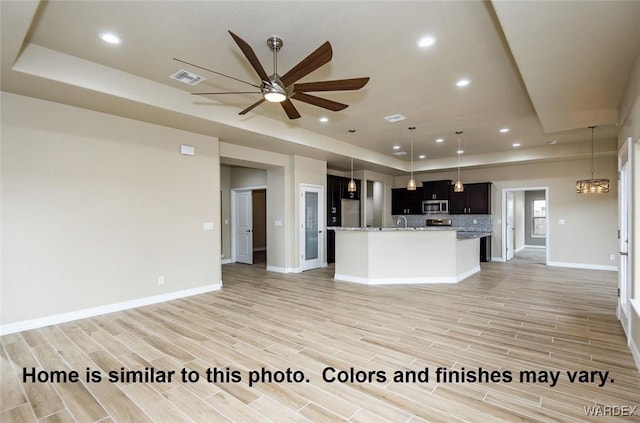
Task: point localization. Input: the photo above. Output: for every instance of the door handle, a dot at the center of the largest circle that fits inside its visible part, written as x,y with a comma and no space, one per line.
319,232
623,253
249,230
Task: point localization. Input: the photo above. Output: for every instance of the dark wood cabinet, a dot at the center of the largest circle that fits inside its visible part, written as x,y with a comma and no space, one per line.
404,201
336,191
334,195
436,190
475,199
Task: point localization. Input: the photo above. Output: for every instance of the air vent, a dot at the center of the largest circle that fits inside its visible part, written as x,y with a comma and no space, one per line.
187,77
395,118
400,153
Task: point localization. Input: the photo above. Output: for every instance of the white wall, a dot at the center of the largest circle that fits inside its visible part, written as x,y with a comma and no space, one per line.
225,198
96,207
244,177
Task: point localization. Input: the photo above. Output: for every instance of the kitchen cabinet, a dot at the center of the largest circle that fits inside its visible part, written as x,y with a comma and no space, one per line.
475,199
336,191
436,190
334,194
404,201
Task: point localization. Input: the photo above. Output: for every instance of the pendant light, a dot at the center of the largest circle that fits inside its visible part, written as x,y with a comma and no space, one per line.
352,187
411,185
592,186
458,186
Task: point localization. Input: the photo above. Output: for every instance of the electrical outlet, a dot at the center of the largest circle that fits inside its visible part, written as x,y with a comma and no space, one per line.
161,280
612,257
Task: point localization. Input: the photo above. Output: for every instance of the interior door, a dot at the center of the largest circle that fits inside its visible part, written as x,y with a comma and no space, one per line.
244,227
311,227
624,274
510,227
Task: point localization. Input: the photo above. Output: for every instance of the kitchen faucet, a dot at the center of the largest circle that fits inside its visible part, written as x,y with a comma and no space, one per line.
402,218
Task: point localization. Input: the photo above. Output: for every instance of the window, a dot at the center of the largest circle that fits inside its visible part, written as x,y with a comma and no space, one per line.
539,218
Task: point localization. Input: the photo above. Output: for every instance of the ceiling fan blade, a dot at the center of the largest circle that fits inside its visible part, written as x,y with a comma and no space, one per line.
320,102
290,109
229,92
217,73
336,85
248,109
319,57
251,57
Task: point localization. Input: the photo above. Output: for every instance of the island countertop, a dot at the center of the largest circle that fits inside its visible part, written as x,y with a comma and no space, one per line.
460,234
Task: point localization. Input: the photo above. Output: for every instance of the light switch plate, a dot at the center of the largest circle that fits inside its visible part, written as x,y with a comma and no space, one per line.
278,223
207,226
561,222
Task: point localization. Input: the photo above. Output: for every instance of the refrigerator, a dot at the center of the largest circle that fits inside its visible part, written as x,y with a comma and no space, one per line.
350,213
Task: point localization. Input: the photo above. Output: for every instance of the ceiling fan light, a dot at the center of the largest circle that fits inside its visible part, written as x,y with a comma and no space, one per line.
275,97
458,186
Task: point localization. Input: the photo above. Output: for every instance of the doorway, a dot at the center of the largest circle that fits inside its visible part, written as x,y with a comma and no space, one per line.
311,227
524,227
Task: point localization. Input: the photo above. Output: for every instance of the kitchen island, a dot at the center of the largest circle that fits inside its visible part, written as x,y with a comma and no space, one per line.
376,256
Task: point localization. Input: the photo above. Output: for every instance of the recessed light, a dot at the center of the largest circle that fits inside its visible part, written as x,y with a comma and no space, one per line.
324,119
422,156
515,144
396,147
110,37
463,83
504,130
553,142
460,151
440,140
427,41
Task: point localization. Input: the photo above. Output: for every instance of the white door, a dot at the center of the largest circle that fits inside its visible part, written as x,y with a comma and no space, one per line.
624,204
311,227
244,227
509,222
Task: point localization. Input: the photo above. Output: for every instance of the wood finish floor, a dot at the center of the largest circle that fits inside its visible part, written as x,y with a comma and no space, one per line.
507,318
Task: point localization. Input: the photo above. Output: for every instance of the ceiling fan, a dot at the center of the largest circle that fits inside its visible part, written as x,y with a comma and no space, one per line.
281,89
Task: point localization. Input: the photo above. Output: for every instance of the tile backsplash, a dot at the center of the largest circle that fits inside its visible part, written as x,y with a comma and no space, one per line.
463,222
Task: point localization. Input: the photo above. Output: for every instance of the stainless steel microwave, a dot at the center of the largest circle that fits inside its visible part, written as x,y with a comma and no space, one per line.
435,206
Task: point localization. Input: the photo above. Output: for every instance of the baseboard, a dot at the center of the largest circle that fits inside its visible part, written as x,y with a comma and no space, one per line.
225,261
501,259
260,249
540,247
405,281
520,249
279,269
104,309
583,266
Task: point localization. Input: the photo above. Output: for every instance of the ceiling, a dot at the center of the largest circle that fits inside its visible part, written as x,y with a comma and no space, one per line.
545,70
